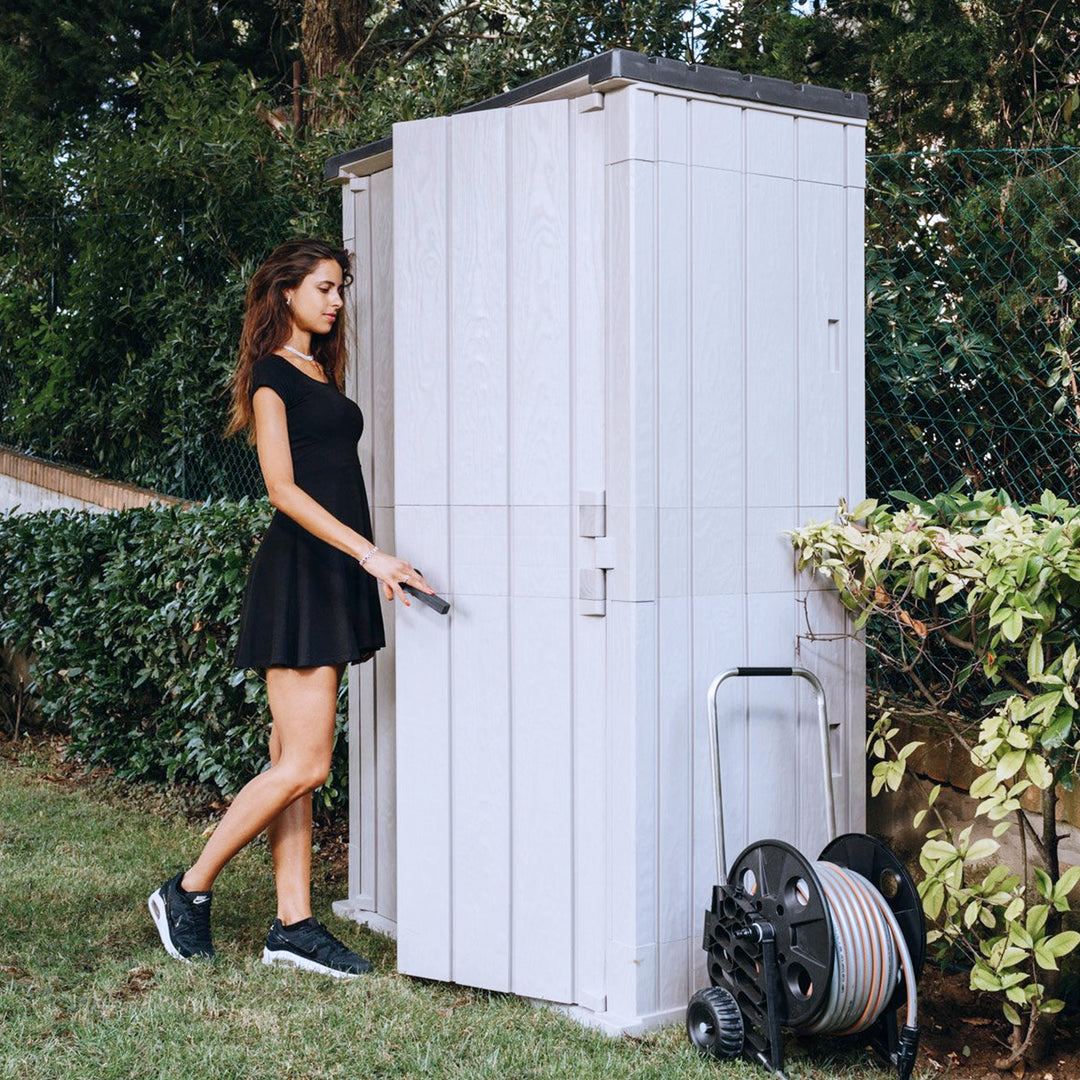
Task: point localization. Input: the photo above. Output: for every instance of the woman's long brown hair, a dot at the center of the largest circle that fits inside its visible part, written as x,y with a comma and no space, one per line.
268,323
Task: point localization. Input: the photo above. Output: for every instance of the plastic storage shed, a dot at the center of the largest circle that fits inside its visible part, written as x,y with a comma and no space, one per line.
608,333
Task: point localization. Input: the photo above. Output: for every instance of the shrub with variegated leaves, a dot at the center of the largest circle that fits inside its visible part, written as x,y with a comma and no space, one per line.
977,602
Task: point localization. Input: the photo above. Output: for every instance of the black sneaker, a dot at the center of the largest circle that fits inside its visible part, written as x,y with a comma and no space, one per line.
309,945
183,920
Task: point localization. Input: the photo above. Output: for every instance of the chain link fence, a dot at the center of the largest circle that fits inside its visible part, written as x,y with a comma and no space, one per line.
973,268
176,451
200,467
972,277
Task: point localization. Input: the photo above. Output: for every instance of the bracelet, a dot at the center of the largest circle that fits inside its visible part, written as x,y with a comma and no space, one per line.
369,554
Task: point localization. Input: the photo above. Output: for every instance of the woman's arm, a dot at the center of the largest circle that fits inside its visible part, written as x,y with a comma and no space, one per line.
275,461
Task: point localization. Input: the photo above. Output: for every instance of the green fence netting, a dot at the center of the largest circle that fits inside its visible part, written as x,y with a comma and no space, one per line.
972,270
972,273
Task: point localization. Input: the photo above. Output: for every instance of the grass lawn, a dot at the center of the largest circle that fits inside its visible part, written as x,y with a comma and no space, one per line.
87,991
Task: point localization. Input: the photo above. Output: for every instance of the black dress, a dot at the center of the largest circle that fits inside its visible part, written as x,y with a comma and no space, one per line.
307,603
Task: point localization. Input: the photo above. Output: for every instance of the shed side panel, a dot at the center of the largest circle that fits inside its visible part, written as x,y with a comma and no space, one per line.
380,426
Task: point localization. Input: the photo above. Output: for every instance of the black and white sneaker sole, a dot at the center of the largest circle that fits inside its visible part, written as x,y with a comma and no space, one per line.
279,957
156,904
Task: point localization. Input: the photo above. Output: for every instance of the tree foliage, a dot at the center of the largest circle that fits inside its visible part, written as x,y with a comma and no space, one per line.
939,73
971,264
148,161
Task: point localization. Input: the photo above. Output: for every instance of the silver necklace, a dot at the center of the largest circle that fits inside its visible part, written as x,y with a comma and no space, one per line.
297,352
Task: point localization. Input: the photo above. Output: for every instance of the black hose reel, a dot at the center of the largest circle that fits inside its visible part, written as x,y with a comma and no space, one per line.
833,946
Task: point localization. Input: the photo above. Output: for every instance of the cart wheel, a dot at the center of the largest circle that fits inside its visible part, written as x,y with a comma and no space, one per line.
714,1023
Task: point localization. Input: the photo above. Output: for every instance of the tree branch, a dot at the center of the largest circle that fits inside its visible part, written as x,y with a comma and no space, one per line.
421,42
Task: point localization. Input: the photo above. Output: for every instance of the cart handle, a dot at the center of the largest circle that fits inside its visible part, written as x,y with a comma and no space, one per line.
714,744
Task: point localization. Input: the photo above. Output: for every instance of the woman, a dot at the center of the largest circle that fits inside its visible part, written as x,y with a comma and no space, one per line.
311,604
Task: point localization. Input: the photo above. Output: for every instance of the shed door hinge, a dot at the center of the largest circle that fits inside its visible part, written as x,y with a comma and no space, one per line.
592,524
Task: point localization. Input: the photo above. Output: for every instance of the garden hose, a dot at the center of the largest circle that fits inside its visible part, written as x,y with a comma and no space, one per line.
869,953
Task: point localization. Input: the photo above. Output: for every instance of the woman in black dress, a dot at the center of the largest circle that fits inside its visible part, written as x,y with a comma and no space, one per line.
311,604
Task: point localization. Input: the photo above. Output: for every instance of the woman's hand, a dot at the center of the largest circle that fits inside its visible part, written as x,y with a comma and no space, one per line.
392,573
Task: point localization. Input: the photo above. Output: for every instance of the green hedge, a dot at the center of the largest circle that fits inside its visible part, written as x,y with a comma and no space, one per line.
128,622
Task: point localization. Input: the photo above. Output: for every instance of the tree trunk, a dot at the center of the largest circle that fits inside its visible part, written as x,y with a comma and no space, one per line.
332,37
331,34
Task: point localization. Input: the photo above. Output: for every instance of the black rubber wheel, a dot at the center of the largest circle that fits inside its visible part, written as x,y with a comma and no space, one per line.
714,1023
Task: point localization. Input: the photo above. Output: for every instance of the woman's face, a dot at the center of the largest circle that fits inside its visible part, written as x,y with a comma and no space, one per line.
314,303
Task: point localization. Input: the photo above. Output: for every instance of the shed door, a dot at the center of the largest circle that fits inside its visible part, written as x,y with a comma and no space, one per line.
498,368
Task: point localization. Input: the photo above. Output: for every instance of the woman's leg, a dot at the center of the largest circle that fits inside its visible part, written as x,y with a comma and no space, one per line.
289,835
303,704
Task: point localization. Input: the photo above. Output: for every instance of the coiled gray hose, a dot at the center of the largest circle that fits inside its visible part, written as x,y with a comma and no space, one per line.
869,953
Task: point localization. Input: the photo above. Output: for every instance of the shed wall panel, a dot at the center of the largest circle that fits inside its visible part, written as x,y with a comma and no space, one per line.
631,127
379,422
480,545
631,824
770,143
421,312
481,792
770,559
716,135
717,318
479,435
631,389
820,150
672,118
541,776
588,268
590,809
855,315
771,767
367,225
539,324
673,297
674,706
588,634
425,854
771,406
719,629
823,352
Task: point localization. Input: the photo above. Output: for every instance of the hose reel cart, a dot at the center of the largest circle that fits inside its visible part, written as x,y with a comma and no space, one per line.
832,946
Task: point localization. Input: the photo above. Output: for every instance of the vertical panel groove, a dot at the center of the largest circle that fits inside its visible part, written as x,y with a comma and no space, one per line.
688,611
449,481
510,537
800,693
658,749
745,258
571,539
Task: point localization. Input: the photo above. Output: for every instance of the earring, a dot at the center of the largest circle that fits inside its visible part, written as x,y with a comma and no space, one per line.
288,301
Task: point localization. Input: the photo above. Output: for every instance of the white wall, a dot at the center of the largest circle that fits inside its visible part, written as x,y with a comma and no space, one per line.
29,484
28,498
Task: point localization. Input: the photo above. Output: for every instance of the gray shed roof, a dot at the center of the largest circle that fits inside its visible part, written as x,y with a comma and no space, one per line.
622,65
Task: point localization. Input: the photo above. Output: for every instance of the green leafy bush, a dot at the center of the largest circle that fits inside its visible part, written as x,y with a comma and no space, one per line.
128,621
977,601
